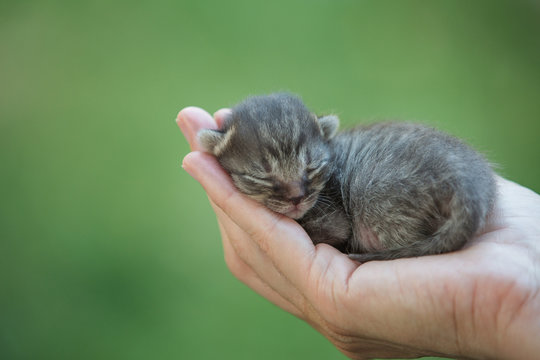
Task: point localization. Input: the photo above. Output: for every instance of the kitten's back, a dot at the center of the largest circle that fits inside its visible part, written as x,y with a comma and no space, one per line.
416,190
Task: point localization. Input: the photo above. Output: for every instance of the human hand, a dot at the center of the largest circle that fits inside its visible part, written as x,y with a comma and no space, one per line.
480,302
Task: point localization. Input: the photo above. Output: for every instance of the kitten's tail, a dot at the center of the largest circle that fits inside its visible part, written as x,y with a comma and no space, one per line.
467,216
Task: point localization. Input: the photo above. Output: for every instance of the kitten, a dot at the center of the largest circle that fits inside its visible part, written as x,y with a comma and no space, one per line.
377,192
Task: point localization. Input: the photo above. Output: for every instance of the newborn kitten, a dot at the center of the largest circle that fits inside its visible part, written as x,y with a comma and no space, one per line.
377,192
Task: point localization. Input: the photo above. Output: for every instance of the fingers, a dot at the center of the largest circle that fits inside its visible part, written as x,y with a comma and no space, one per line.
191,120
221,115
282,239
269,283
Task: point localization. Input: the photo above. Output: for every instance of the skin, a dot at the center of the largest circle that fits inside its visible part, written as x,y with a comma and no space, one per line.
479,302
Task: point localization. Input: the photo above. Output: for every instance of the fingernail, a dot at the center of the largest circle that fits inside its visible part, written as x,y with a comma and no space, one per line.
187,129
183,124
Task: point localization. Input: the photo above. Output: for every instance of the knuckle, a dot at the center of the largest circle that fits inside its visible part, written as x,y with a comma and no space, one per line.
236,266
241,250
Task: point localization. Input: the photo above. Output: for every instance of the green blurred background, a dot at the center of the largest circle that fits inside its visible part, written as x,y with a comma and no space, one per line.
109,250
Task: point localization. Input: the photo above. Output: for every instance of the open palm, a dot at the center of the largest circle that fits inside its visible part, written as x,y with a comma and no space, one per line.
482,301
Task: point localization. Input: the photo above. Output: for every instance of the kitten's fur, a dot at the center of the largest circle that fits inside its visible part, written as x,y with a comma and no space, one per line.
377,192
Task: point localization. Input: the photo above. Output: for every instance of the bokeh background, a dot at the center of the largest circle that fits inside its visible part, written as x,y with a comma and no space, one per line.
109,250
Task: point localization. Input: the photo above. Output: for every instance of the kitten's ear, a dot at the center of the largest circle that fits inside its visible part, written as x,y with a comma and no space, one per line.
211,140
329,125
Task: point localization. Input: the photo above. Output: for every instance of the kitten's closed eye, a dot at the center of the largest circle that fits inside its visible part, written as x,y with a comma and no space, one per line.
314,170
257,180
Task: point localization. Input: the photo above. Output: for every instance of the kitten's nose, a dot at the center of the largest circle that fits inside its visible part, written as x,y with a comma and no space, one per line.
296,192
296,200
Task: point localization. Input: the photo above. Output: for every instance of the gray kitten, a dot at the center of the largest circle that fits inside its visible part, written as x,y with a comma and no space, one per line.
377,192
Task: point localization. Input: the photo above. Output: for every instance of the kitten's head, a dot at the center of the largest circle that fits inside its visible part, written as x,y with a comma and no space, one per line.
276,151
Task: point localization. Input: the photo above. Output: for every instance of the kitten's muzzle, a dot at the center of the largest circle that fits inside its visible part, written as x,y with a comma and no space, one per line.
297,196
296,191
